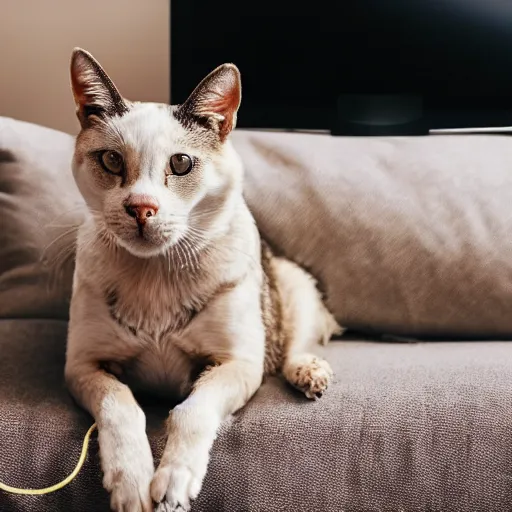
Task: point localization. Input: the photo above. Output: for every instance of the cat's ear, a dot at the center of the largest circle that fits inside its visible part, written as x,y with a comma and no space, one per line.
95,94
216,99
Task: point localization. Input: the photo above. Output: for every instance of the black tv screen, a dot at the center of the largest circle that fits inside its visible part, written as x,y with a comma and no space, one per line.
325,65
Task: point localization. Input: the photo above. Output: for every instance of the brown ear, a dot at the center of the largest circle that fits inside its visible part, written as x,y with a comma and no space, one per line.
94,92
215,101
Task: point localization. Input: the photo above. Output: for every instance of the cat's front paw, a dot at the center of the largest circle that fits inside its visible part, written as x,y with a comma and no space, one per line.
127,472
176,484
130,492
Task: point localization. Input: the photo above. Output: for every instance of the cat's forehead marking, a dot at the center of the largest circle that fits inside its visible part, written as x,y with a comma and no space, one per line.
149,127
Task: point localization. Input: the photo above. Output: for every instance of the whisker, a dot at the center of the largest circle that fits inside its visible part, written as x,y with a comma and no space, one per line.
65,213
66,233
181,255
184,254
191,253
194,248
202,237
56,259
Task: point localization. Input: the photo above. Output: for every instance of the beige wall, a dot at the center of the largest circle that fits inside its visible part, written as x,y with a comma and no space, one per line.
129,37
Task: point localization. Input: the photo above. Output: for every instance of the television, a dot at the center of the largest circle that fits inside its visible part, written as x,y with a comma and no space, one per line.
368,67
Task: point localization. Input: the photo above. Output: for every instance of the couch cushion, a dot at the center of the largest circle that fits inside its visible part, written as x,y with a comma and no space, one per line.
407,235
40,207
413,427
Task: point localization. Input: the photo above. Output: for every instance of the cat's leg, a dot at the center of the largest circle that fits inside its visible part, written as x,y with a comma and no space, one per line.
307,323
192,428
126,458
232,330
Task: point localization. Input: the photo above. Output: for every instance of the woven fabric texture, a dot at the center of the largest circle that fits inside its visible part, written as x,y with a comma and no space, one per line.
406,427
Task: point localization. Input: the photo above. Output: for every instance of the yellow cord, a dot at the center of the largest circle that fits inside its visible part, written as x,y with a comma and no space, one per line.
60,485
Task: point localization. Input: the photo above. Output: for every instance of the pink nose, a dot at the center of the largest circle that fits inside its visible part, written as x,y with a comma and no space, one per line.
141,208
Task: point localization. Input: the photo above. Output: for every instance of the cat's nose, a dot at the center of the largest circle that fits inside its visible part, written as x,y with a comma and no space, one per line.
141,208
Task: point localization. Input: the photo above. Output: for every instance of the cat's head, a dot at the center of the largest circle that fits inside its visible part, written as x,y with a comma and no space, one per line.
153,174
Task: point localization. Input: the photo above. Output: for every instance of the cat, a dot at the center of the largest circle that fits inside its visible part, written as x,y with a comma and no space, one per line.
174,292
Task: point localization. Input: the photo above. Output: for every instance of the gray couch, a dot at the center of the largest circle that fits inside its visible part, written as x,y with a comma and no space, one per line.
408,425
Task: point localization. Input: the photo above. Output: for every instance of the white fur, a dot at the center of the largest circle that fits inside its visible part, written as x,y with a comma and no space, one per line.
125,455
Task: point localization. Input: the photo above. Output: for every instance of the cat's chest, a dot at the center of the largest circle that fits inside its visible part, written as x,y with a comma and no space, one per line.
162,369
152,315
152,310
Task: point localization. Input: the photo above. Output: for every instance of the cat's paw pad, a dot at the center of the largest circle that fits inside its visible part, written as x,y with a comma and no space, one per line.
312,377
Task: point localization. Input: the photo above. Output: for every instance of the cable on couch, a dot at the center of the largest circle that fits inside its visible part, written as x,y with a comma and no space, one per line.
60,485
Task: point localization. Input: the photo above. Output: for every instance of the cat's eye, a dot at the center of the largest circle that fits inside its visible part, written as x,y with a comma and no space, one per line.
181,164
112,162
